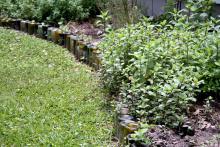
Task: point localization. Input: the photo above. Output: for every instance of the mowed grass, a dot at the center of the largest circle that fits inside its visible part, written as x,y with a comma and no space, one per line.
46,97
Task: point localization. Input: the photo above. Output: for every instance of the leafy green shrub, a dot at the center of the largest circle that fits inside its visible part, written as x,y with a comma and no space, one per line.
158,69
27,9
50,10
45,9
196,11
19,8
201,6
7,8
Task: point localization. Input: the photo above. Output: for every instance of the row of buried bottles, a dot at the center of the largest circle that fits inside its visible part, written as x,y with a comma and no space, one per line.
83,51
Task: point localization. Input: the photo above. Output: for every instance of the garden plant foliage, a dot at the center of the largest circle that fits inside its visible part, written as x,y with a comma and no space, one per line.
160,69
50,10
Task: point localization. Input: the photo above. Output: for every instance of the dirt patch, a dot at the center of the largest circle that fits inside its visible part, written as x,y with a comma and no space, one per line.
87,30
201,128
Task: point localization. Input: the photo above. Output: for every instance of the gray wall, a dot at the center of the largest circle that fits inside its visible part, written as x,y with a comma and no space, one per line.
216,10
156,7
152,7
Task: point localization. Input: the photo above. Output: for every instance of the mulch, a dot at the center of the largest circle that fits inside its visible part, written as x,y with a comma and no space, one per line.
204,126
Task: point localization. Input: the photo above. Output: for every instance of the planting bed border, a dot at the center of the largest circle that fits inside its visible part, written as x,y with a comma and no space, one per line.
84,52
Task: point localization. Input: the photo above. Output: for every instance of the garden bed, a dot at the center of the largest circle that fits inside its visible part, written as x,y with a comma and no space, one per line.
158,70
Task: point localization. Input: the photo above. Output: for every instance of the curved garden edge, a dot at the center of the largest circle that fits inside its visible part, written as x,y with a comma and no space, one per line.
84,52
47,98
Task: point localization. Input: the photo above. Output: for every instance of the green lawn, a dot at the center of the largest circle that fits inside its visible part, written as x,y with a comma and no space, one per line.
47,98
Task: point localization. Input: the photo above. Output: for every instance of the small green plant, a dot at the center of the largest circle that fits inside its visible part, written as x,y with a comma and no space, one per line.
85,38
207,105
63,28
104,19
140,134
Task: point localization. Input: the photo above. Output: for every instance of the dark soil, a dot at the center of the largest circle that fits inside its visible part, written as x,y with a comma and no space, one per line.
204,131
88,29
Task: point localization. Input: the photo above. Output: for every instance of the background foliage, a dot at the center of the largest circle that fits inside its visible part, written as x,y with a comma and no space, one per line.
122,11
50,10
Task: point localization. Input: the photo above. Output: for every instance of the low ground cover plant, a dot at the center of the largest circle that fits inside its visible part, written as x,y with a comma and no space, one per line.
159,69
47,98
